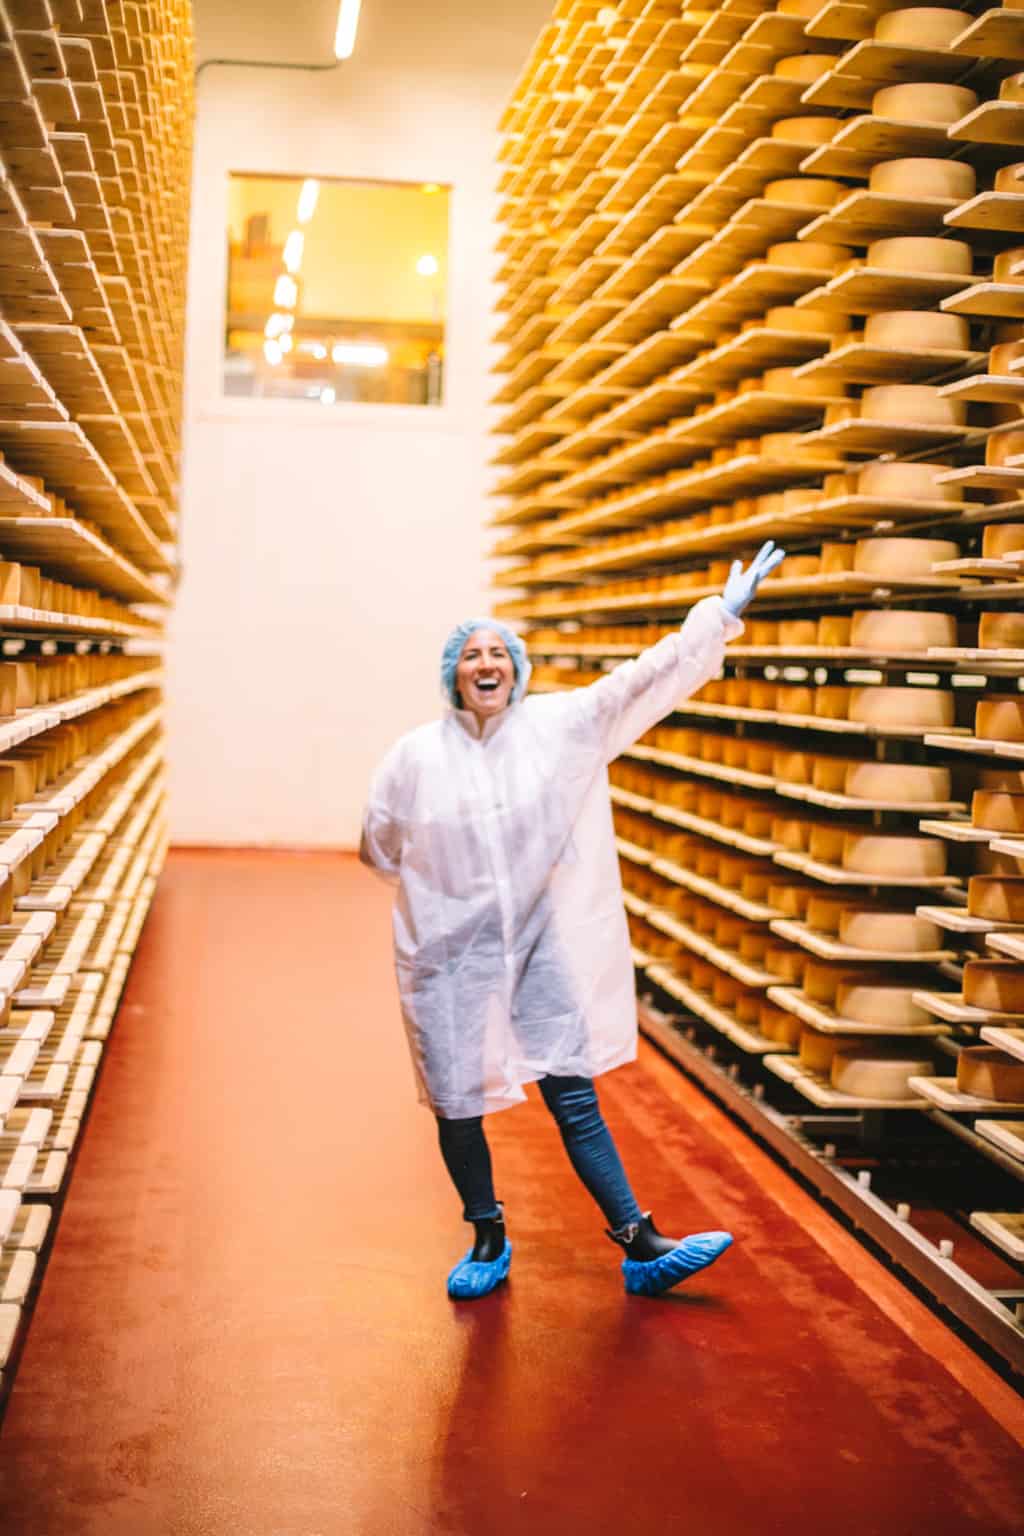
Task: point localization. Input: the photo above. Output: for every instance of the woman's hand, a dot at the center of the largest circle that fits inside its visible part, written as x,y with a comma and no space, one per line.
742,584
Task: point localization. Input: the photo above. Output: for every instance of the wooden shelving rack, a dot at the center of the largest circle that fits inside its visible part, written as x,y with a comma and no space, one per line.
95,168
695,201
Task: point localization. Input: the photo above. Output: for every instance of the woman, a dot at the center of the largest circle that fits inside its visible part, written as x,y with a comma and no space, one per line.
511,946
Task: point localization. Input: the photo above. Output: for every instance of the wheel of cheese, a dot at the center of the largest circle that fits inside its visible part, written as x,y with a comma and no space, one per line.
1001,631
837,485
708,862
920,404
789,897
921,253
1003,355
832,702
799,567
804,8
1012,88
997,985
826,844
870,1003
836,558
795,699
890,559
817,255
817,1051
835,630
804,67
786,962
753,885
793,833
709,802
1000,717
747,1008
898,329
760,756
848,410
997,811
776,1024
798,632
824,911
806,131
1009,780
1000,539
923,178
804,192
901,629
822,980
921,27
913,783
892,932
764,632
1010,179
762,693
830,772
988,1073
865,1073
906,482
724,990
941,104
889,853
737,691
792,767
997,898
757,820
880,705
1008,266
783,317
1001,447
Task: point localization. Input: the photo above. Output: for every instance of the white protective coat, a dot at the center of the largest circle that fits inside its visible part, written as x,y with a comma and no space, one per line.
511,945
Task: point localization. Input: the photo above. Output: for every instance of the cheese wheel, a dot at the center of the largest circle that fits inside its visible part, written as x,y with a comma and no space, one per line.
826,843
781,381
797,632
764,632
893,932
1001,539
804,8
921,253
1010,179
796,567
1012,88
865,1073
836,558
1008,266
889,853
835,629
1003,355
921,27
760,755
849,410
997,898
762,693
911,783
988,1073
789,899
807,131
871,1003
879,705
1000,717
783,317
918,177
795,699
1009,781
906,482
921,404
775,1023
804,67
832,702
757,820
1001,631
825,910
890,559
1001,447
817,1051
818,255
940,104
997,985
822,980
901,629
804,191
997,811
785,961
898,329
792,767
830,772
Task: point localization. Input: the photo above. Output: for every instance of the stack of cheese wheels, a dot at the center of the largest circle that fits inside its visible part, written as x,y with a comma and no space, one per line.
987,1073
995,985
878,1072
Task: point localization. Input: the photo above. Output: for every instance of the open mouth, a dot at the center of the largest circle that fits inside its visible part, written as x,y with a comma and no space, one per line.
488,685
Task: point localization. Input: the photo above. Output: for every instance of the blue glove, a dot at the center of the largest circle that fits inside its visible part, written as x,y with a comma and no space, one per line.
742,584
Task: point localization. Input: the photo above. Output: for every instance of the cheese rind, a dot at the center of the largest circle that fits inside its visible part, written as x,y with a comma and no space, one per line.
997,898
894,558
910,482
895,932
923,178
881,853
1000,717
997,811
804,130
913,783
997,985
902,629
921,253
1000,539
806,67
921,404
987,1073
879,705
917,103
869,1003
1001,631
866,1073
901,328
924,26
817,1051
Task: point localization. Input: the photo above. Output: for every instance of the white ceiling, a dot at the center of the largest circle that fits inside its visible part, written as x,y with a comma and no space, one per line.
448,37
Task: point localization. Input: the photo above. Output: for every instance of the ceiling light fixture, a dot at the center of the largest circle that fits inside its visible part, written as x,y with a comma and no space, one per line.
293,248
427,266
345,35
307,199
272,352
286,291
277,325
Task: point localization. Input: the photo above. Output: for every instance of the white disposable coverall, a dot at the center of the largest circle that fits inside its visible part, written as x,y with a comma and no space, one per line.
511,946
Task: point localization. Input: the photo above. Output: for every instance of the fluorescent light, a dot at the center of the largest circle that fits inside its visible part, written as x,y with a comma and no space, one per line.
293,247
285,342
286,291
307,200
277,325
272,352
359,354
328,395
314,348
345,36
427,266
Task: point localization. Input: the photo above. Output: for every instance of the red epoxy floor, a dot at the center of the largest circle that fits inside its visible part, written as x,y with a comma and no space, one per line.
243,1329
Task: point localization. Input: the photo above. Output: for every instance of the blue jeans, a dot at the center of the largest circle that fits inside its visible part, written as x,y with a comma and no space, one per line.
588,1141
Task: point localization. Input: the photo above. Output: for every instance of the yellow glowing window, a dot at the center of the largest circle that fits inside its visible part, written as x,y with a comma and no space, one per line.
337,290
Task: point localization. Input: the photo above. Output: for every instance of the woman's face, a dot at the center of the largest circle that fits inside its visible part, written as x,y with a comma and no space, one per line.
485,675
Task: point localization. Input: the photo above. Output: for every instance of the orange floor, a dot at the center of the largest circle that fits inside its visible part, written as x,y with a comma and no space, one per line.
243,1329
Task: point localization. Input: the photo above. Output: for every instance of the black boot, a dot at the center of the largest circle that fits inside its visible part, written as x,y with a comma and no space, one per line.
490,1238
641,1241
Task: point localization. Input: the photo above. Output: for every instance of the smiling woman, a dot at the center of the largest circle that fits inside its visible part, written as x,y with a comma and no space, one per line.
336,290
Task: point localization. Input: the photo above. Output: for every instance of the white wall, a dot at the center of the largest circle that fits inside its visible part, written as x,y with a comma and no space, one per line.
326,553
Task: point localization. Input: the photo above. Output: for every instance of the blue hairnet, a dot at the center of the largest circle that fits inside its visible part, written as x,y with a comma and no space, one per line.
455,645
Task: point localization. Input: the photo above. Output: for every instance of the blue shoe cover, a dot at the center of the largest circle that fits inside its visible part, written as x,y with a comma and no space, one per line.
659,1275
467,1280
